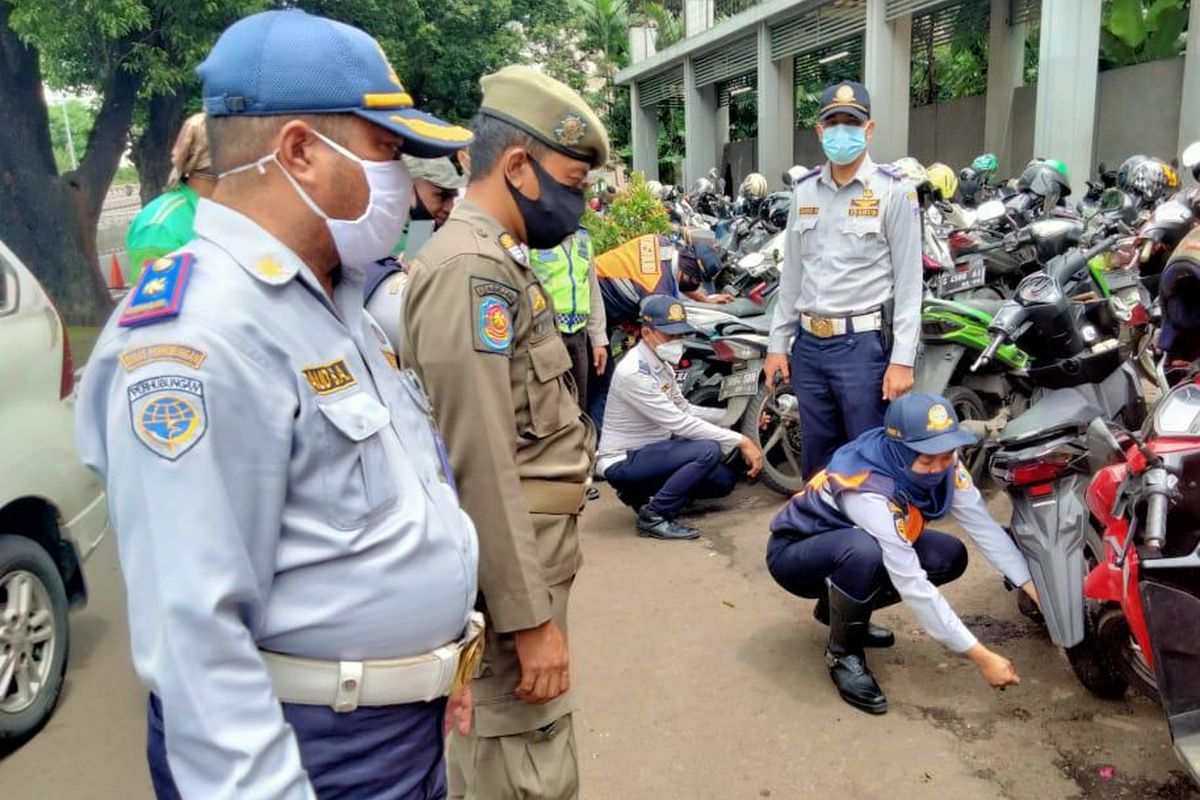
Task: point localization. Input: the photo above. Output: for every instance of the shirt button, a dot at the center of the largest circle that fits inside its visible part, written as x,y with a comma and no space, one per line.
349,685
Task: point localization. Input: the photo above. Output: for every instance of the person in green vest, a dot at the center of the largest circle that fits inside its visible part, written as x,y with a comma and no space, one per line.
165,224
568,275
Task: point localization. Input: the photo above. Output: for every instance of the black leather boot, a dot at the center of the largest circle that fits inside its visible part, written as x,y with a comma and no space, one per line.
659,527
848,621
877,635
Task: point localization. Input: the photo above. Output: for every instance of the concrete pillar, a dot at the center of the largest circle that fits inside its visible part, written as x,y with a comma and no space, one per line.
888,66
723,136
776,111
700,125
1189,109
1066,92
698,16
643,43
644,135
1005,72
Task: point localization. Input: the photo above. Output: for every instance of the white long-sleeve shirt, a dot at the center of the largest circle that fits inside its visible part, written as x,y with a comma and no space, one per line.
872,513
645,406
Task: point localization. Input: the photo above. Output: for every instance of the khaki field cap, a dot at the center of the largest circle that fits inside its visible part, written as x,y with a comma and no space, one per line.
548,110
438,171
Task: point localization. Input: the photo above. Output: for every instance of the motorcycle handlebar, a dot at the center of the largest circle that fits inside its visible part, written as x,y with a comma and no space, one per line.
1156,521
987,355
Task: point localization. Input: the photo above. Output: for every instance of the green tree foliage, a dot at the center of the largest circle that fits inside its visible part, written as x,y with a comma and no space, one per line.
80,116
634,212
1136,31
668,23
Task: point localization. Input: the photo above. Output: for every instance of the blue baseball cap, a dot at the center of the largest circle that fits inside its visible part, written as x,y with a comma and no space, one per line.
664,314
926,423
290,62
846,97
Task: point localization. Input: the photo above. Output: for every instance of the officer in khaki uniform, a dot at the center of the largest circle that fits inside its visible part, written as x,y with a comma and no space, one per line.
480,330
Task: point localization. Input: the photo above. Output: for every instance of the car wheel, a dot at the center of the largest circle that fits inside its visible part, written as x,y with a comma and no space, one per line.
34,637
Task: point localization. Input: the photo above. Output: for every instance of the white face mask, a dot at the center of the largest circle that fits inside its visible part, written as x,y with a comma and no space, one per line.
670,352
374,234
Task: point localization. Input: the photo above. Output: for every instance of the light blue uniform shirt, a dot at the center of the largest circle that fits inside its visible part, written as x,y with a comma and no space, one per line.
849,250
275,483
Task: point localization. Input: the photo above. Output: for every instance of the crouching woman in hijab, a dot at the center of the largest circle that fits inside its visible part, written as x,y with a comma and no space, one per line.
855,540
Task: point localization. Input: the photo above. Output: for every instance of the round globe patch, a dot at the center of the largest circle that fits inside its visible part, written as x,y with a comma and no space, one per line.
495,324
167,414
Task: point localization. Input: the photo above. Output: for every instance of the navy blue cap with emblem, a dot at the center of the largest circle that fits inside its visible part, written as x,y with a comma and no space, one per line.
664,314
846,97
926,423
290,62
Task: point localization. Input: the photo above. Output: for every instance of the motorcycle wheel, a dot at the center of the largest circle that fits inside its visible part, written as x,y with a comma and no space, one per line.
779,439
969,406
1096,660
1112,630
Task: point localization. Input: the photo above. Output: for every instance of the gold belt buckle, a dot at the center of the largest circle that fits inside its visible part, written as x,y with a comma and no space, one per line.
822,327
468,663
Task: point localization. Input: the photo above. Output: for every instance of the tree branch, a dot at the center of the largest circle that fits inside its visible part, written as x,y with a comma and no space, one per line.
110,133
21,92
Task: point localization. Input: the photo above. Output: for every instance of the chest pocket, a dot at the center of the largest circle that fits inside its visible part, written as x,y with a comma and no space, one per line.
804,232
552,404
863,233
356,475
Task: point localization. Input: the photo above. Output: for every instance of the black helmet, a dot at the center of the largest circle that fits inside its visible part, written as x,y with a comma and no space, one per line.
1148,179
1126,170
1043,180
968,184
778,206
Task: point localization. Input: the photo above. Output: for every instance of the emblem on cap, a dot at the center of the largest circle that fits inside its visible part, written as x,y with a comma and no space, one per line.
571,130
675,313
939,419
844,93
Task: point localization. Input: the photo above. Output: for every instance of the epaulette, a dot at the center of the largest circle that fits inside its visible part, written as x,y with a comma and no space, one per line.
891,171
159,292
812,173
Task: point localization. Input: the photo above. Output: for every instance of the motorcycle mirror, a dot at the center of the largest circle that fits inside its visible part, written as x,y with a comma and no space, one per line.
990,211
751,261
1112,200
1103,447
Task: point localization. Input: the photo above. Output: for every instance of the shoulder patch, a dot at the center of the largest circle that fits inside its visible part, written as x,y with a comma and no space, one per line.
537,299
962,478
329,378
812,173
178,353
516,251
168,414
890,171
907,520
492,304
159,292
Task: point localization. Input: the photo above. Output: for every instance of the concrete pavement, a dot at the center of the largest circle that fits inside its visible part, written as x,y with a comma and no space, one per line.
700,679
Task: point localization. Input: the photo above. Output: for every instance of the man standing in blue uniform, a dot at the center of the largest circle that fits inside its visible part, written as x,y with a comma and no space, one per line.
301,576
850,287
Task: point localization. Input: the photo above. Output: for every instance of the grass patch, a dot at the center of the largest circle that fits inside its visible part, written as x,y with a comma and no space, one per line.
83,339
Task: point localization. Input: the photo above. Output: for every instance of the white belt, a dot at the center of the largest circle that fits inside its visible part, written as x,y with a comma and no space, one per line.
346,685
824,327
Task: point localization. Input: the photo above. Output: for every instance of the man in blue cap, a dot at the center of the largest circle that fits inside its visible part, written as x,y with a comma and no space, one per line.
855,539
657,450
301,576
849,310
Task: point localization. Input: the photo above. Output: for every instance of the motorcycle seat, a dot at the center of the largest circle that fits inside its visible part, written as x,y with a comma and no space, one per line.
1058,411
759,324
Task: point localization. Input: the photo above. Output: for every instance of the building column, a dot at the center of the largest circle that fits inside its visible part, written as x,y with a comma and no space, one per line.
700,125
1005,72
1189,109
643,135
698,16
723,137
1066,92
886,73
776,111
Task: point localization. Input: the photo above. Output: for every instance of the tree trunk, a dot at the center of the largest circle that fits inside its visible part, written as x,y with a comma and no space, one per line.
49,220
152,150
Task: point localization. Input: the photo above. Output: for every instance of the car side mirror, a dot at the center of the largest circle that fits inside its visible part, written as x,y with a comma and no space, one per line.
1103,447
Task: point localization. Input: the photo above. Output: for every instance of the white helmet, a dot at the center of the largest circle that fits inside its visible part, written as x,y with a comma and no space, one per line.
755,186
655,188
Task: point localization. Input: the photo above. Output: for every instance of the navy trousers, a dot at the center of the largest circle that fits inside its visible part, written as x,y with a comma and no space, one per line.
853,560
839,385
382,753
672,472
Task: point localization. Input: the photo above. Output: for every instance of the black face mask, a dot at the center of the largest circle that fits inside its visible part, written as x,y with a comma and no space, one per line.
420,212
552,217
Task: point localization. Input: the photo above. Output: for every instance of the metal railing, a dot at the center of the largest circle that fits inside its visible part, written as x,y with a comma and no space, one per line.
727,8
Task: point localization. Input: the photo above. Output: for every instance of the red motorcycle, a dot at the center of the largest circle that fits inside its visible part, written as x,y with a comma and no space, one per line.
1143,591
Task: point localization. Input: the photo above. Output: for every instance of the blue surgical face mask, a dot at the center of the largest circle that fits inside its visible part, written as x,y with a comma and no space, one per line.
844,143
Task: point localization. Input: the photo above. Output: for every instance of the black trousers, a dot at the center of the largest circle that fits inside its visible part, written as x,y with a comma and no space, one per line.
581,362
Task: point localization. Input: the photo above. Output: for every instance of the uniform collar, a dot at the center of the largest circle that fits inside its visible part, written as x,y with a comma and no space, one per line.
246,242
865,170
487,228
651,359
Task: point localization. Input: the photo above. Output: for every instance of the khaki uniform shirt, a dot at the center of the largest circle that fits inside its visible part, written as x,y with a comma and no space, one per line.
479,330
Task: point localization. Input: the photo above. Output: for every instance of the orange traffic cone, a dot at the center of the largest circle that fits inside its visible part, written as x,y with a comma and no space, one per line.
115,281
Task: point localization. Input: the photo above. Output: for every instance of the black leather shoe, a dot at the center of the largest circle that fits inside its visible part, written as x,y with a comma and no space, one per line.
848,620
877,635
593,493
658,527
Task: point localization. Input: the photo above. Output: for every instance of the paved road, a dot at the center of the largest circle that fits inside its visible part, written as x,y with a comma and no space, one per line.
700,680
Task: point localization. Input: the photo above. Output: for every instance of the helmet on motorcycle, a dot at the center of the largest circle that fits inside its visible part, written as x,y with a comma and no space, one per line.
1148,180
968,184
1172,176
701,186
754,187
655,188
1060,167
911,169
985,165
1044,180
943,179
779,204
1125,171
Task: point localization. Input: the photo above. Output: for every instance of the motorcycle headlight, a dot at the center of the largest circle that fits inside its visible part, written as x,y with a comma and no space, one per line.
1038,288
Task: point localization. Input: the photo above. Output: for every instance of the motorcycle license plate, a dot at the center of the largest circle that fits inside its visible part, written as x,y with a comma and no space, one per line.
963,279
739,384
1118,279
